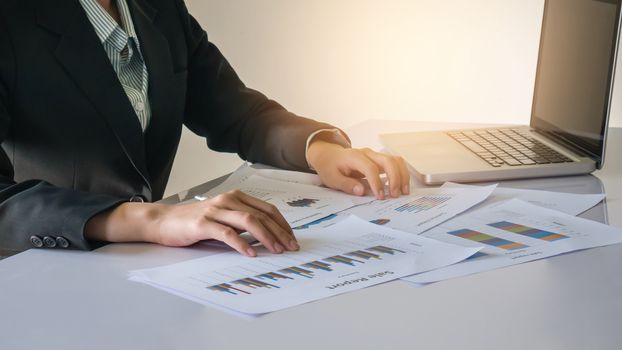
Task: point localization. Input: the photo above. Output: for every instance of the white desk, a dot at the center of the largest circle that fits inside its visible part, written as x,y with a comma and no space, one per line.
82,300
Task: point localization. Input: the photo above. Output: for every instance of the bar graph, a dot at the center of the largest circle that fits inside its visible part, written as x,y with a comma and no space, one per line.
318,265
339,259
381,221
422,204
528,231
302,202
484,238
307,270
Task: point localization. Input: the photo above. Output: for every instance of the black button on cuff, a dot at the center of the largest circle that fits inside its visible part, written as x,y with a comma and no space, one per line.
49,242
62,242
36,241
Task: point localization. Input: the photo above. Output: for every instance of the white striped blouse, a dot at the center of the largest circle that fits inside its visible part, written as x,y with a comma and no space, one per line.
123,49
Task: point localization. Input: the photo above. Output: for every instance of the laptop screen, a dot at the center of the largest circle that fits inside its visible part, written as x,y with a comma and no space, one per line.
575,72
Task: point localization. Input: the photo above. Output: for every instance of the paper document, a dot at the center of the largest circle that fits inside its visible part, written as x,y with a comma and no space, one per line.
299,203
515,232
569,203
350,255
415,213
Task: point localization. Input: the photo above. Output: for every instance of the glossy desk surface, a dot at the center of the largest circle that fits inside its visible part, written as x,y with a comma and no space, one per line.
82,300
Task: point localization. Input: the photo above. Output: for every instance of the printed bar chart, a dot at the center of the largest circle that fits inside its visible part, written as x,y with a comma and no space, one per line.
298,271
302,203
380,221
527,231
269,280
386,250
363,254
343,260
318,265
484,238
273,276
254,283
422,203
227,288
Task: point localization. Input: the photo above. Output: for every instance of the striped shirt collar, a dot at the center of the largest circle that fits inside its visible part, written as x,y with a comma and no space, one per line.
107,28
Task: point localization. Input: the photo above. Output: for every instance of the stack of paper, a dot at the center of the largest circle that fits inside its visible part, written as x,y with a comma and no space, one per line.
350,255
352,242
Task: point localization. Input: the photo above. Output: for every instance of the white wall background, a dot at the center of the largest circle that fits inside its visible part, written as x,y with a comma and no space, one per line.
345,61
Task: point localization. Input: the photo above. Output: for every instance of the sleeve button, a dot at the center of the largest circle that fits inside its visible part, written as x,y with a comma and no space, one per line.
36,241
49,242
62,242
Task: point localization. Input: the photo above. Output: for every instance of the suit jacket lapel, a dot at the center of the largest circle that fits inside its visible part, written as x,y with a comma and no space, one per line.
80,52
164,91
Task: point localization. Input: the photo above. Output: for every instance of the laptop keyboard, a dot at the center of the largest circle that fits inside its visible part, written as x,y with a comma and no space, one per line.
505,146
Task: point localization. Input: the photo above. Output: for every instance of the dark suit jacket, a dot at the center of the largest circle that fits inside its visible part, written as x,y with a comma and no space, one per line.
72,145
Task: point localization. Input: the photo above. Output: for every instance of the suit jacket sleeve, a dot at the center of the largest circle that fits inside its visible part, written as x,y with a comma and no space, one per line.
233,117
34,207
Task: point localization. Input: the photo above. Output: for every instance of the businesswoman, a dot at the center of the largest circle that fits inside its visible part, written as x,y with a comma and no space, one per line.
93,96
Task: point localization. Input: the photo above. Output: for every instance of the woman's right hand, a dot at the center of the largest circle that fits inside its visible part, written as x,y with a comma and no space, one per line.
221,218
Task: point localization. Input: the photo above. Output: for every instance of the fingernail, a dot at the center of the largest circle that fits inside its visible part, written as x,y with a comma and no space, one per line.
406,189
251,252
293,245
358,190
278,248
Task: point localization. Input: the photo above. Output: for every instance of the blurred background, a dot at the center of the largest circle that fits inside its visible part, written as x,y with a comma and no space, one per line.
346,61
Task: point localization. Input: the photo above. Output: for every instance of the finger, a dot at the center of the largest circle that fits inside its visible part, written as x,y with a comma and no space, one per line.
249,222
405,175
391,168
337,180
267,208
287,239
361,163
229,236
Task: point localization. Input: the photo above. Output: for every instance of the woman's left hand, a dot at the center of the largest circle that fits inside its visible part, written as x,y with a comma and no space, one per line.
344,168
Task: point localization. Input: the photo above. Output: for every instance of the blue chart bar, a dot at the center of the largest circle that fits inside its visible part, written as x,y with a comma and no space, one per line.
227,288
298,271
316,222
422,203
343,260
273,276
363,254
318,265
386,250
269,280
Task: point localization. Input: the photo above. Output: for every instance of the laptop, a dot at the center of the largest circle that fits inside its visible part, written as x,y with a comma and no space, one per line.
570,111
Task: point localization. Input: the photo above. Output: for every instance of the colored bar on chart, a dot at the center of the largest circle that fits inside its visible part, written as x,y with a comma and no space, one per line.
316,222
528,231
484,238
303,202
343,260
318,265
254,283
386,250
273,276
363,255
380,221
298,271
422,203
227,288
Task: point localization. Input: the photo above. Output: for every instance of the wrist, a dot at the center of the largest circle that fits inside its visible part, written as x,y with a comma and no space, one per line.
319,149
128,222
